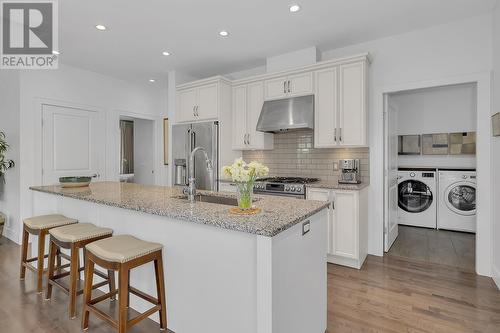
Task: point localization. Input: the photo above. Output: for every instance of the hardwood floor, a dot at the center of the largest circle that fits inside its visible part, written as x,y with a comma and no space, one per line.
389,294
450,248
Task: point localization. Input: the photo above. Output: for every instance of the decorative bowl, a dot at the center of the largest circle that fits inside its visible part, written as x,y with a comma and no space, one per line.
68,182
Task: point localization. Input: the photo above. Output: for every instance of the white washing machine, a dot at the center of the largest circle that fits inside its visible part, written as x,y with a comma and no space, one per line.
417,199
457,200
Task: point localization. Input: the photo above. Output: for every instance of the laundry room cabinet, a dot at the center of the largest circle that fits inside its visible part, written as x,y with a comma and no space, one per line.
341,105
247,104
347,224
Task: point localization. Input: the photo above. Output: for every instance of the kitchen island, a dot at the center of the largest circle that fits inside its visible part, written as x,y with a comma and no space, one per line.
224,273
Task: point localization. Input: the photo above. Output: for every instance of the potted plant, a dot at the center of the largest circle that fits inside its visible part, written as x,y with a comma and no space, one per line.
4,163
244,176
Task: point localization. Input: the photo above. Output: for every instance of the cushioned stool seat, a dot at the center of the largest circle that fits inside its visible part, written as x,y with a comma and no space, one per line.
122,248
48,221
79,232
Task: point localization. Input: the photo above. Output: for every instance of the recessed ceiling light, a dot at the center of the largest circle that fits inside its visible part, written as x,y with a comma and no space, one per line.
294,8
165,53
100,27
56,52
151,80
223,33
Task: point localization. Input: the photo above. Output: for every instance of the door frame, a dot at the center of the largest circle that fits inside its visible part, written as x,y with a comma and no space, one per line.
484,233
157,148
38,153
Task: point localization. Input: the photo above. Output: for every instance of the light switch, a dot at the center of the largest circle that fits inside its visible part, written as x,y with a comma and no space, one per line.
335,166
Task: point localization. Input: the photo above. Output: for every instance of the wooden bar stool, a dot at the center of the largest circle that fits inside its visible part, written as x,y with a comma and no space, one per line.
40,226
123,253
74,237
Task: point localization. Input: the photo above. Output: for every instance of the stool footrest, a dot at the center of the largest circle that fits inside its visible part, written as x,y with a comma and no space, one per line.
103,297
143,315
104,316
143,295
36,258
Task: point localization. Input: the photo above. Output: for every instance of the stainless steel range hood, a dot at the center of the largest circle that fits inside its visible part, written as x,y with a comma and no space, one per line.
287,114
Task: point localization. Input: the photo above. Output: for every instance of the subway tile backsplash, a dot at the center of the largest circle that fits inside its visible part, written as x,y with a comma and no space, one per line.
294,155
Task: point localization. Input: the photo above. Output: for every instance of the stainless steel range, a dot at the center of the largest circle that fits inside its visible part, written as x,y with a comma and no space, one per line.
283,186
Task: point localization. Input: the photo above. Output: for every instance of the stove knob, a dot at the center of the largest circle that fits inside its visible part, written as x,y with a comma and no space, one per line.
293,188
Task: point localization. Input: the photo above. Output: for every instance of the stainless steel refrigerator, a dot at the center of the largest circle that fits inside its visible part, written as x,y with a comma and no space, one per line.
186,137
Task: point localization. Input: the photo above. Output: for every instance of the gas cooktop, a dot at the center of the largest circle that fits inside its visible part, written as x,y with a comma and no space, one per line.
285,186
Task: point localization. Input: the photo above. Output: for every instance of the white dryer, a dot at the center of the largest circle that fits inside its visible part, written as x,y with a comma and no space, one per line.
417,199
457,200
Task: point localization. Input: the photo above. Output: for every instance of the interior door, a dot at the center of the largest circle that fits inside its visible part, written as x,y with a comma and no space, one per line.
239,114
391,175
71,143
208,102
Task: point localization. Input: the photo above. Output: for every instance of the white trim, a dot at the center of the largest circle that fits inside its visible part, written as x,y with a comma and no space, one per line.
484,236
496,275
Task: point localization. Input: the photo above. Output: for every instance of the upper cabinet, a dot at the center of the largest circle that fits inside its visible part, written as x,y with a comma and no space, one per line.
247,104
200,101
289,86
340,105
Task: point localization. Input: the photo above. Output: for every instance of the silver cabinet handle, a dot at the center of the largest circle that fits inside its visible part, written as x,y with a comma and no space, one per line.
96,175
288,85
335,134
245,139
194,112
197,114
340,134
248,138
284,87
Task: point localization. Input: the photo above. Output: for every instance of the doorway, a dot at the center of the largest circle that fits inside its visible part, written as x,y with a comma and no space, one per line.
136,163
430,170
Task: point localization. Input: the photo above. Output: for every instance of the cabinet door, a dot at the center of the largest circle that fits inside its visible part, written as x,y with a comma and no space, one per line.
300,84
239,115
324,195
275,88
352,113
255,100
187,103
345,224
326,108
208,99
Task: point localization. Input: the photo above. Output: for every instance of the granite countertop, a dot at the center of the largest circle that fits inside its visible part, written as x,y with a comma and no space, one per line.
278,213
332,185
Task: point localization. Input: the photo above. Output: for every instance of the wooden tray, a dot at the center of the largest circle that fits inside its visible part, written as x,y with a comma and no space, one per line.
244,212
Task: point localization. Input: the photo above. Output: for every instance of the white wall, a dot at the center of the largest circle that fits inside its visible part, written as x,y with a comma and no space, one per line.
495,147
446,109
9,124
435,53
144,152
82,88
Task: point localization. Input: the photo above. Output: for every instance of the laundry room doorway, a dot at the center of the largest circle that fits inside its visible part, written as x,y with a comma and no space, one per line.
431,162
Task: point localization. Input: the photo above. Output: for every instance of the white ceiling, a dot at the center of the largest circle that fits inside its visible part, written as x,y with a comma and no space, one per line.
139,30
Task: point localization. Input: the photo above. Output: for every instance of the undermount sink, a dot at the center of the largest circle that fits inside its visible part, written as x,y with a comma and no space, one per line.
212,199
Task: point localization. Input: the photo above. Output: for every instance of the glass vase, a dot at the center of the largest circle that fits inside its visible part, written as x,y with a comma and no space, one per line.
244,194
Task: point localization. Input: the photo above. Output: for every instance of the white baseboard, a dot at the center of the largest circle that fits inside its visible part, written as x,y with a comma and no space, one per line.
12,235
496,275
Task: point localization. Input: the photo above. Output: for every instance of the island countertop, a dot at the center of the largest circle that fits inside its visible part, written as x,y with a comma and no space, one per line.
278,213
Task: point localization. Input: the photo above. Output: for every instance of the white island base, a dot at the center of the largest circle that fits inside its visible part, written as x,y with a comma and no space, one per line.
219,280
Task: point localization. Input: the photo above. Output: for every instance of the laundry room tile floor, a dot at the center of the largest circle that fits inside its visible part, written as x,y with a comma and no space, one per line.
444,247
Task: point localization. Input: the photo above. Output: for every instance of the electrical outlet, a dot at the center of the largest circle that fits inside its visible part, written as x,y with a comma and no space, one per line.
335,166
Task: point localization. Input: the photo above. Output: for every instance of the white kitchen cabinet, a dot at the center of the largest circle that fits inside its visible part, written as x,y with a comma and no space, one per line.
198,102
347,225
247,104
340,106
288,86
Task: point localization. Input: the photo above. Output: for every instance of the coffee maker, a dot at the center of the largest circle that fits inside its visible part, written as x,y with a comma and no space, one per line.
349,171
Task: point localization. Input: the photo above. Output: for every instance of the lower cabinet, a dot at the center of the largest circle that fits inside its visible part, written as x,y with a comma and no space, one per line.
347,225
